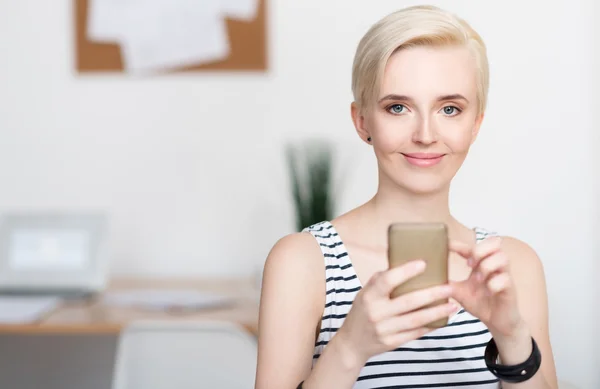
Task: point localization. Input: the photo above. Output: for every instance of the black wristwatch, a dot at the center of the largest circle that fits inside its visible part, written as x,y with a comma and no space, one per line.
515,373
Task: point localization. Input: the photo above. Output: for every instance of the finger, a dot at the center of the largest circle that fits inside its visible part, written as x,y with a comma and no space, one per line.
499,283
416,319
484,249
492,264
487,247
417,299
383,283
396,340
463,249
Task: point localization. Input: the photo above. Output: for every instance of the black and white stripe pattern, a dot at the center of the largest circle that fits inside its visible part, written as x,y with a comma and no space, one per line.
449,357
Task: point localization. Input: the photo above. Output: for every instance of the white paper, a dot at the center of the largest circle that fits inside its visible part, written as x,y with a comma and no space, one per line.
186,299
108,20
20,310
172,34
245,10
158,35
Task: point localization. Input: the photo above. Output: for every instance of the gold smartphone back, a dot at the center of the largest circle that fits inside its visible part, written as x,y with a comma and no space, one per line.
426,241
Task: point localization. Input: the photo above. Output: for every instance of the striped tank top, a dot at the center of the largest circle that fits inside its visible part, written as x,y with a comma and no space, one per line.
447,357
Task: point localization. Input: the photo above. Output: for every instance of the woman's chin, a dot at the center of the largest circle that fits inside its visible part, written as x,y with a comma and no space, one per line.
423,186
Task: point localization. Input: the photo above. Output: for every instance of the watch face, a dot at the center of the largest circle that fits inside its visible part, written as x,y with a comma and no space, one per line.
37,249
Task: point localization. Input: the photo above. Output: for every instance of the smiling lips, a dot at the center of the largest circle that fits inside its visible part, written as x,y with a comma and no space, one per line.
423,159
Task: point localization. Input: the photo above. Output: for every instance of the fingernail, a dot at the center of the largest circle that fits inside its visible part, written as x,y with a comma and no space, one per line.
420,265
470,262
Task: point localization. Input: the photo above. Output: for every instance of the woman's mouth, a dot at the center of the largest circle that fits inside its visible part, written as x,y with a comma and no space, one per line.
423,159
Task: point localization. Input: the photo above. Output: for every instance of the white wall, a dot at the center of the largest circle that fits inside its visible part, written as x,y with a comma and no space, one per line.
190,166
595,34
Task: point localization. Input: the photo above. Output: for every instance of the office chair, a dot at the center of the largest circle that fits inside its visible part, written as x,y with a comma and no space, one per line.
182,355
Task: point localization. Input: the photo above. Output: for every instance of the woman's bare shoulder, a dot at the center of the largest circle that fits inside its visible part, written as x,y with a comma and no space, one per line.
295,262
296,249
292,300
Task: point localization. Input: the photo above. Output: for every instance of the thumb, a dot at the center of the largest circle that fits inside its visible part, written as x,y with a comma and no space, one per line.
462,290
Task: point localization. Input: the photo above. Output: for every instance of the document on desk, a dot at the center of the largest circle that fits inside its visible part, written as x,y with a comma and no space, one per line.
158,299
23,310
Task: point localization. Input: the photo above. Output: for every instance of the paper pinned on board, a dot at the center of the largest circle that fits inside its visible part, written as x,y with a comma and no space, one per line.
177,33
156,35
245,10
108,19
22,310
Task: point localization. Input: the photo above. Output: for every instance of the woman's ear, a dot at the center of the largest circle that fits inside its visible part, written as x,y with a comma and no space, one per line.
359,123
476,127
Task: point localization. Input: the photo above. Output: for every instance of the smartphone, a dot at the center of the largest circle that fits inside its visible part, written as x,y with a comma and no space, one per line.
425,241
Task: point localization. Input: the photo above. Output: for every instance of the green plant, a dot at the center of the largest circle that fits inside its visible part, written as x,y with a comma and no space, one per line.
310,166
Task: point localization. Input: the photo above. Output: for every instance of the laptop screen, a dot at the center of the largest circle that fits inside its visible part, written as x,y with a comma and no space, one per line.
49,250
53,251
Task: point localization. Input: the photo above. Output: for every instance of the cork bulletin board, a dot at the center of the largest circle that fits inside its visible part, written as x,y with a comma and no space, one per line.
247,40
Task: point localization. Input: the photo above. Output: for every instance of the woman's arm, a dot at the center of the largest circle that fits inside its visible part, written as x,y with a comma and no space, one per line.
292,302
528,275
507,292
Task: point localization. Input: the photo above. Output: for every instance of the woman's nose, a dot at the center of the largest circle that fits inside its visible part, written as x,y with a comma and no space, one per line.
425,132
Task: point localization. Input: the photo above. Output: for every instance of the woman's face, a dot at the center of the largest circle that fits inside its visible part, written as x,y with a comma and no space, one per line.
425,117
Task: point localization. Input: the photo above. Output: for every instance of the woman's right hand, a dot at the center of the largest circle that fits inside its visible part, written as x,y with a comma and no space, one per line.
377,323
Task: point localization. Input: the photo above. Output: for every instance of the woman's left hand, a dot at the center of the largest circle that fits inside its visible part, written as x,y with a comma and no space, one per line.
489,292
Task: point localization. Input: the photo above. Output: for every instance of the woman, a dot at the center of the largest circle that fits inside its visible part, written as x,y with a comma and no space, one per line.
420,81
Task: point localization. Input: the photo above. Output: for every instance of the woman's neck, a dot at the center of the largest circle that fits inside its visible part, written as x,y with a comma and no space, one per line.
396,205
389,206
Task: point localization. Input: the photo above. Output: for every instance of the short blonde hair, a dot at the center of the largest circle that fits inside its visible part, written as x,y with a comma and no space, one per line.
422,25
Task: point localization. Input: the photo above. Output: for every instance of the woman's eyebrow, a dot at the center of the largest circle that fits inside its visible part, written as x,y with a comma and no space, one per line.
396,97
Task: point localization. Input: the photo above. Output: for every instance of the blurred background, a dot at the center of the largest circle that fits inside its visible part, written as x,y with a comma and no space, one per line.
190,166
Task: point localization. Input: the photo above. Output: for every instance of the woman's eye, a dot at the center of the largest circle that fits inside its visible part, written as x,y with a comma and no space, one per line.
450,110
396,108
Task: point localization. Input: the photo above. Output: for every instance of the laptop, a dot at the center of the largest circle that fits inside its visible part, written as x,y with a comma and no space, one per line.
53,254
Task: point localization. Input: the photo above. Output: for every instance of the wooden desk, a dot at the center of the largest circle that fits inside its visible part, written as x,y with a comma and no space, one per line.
95,317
